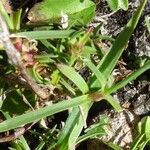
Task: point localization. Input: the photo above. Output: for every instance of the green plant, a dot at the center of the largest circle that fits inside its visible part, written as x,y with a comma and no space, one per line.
147,23
143,136
118,4
56,64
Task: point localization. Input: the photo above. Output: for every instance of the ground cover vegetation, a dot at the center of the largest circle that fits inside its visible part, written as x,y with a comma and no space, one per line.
57,67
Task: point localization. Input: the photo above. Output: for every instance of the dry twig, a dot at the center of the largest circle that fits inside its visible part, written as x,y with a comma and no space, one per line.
15,135
19,131
15,59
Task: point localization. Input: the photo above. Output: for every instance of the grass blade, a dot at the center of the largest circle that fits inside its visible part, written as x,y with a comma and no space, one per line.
113,146
84,109
67,86
24,143
42,113
147,21
73,134
45,34
96,72
71,74
137,141
69,125
6,16
16,19
133,76
113,102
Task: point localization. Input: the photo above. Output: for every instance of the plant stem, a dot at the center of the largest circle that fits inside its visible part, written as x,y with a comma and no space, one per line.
15,59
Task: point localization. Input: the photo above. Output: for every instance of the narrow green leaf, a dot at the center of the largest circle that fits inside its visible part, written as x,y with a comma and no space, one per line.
35,75
67,86
71,74
45,34
117,4
42,113
131,77
48,45
16,18
95,130
73,127
142,146
41,145
113,102
46,58
96,72
114,146
145,127
147,21
79,125
113,4
136,142
69,125
24,143
6,16
123,4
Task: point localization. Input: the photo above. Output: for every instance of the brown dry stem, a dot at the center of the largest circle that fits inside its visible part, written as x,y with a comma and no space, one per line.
17,133
15,59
